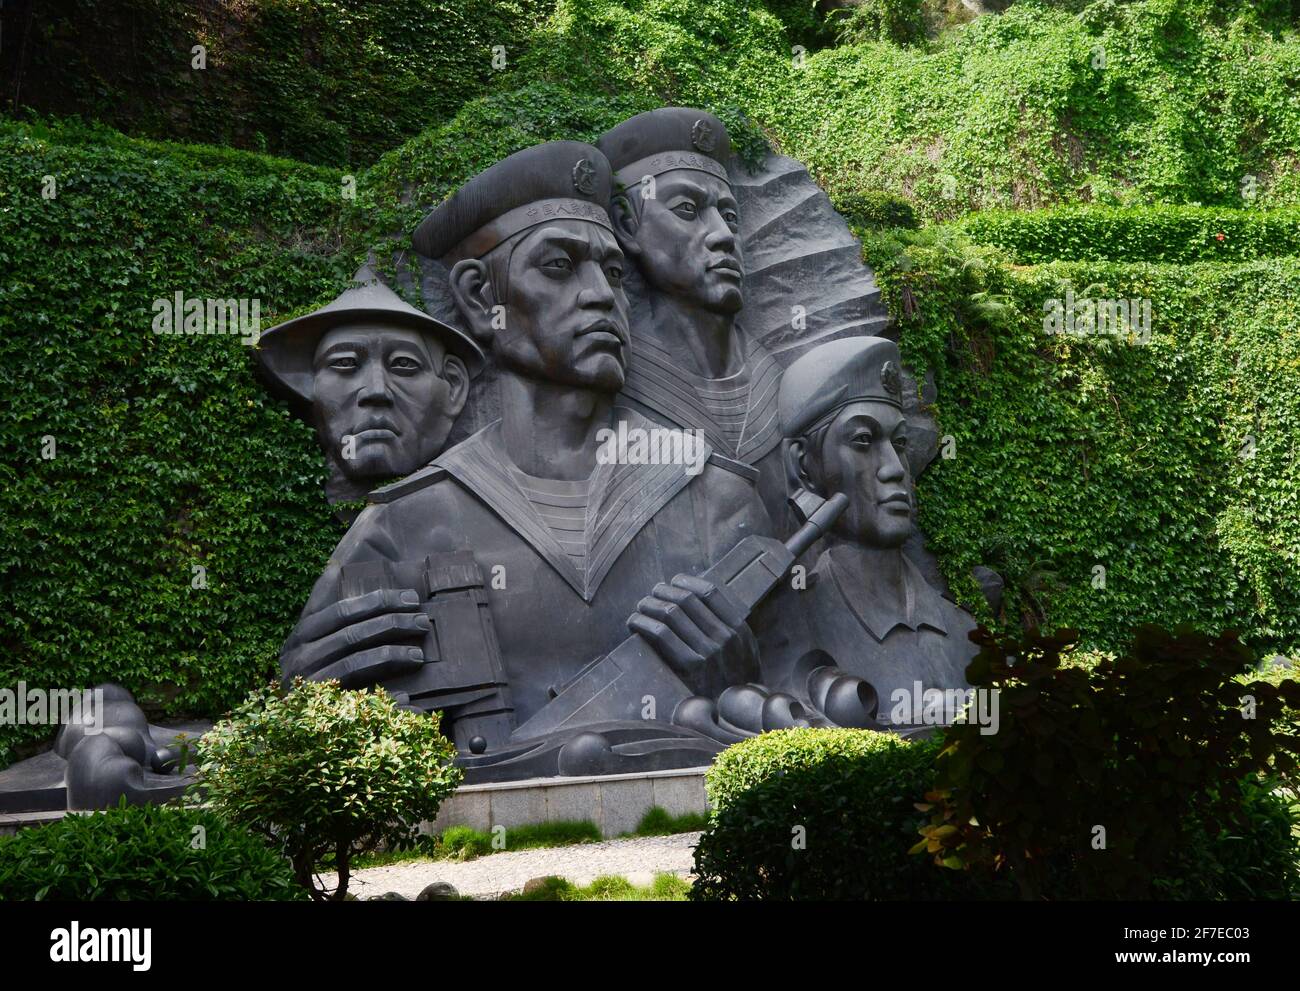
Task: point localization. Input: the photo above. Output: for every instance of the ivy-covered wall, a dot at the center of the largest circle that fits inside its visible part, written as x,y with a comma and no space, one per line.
1155,101
128,458
1112,480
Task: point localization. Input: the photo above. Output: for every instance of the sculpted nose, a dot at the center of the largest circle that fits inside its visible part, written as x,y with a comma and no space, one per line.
891,467
720,237
374,385
596,290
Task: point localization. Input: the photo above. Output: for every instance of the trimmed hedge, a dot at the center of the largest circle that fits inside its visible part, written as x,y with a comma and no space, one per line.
873,210
830,814
1152,234
143,853
846,795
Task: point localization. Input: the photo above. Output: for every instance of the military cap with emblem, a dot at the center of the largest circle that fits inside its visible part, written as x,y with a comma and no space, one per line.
659,141
830,376
286,352
558,180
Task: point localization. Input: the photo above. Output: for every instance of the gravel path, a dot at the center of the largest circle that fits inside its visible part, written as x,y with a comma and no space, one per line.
638,860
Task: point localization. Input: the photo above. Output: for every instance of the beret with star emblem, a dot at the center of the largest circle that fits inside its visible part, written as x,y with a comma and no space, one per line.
830,376
557,180
659,141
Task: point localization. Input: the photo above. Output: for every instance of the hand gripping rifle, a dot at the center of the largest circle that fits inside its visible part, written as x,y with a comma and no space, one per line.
615,687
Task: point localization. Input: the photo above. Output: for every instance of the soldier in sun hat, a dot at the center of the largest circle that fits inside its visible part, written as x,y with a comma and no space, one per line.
381,381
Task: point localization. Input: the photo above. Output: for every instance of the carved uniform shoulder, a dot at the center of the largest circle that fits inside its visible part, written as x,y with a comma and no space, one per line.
422,479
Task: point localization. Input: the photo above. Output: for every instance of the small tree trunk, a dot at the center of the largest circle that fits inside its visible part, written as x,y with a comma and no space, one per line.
342,859
304,870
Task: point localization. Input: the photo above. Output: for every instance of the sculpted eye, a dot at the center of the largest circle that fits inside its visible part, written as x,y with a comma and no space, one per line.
614,273
403,363
562,264
900,442
863,437
685,210
731,217
343,363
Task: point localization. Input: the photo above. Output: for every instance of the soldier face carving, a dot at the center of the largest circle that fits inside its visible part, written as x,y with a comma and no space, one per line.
686,240
385,398
565,317
864,455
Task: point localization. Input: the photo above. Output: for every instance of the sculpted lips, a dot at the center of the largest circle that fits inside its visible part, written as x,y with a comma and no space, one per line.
897,500
376,430
727,266
604,332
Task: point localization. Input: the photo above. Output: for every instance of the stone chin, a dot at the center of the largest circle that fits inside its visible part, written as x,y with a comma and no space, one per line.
373,459
880,528
726,300
375,463
604,373
716,292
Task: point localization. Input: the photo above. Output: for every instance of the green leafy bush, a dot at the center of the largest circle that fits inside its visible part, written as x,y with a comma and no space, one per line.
1256,858
322,770
871,208
1155,234
143,853
899,21
1098,781
805,21
817,814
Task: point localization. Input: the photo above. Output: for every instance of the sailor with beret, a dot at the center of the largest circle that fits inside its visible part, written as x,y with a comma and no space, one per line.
864,608
692,363
579,544
381,382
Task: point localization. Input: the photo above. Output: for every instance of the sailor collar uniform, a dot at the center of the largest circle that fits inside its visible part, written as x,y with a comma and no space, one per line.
620,499
738,413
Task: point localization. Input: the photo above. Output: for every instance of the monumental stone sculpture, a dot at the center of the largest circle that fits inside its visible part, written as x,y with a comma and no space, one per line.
570,550
865,609
104,751
589,570
380,381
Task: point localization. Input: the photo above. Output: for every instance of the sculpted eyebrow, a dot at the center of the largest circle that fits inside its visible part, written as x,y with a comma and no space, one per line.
685,187
569,242
863,419
417,349
338,346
